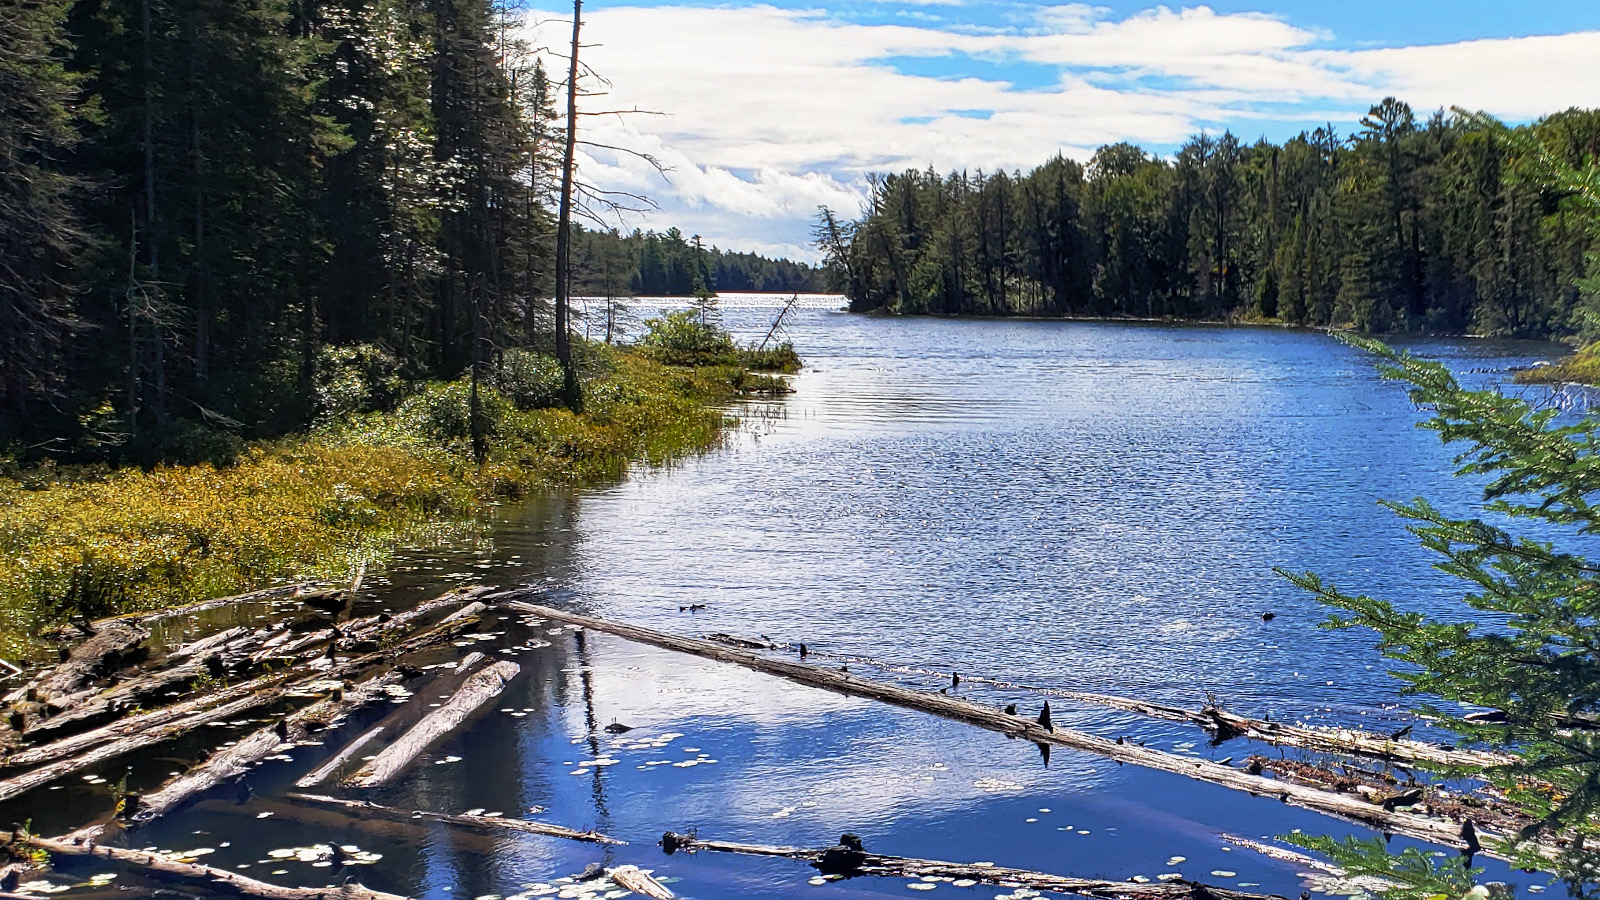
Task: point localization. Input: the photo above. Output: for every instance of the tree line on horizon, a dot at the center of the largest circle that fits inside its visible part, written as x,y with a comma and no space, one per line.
197,197
1405,225
609,263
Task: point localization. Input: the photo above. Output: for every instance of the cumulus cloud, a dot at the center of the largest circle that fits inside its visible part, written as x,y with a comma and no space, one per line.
772,112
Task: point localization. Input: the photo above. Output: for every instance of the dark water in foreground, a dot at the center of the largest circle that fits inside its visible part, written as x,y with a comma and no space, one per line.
1087,506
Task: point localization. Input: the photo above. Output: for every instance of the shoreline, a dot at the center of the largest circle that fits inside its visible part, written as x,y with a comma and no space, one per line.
328,503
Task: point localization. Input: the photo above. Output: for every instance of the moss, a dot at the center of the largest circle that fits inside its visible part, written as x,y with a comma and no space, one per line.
1582,367
318,506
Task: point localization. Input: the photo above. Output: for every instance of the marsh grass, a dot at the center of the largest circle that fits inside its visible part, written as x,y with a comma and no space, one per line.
1582,367
321,505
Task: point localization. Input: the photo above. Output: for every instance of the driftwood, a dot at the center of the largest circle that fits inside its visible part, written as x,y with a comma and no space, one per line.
136,739
111,646
841,860
27,781
208,643
473,693
163,868
364,810
325,771
98,708
140,722
1356,809
1224,725
238,759
633,879
1483,809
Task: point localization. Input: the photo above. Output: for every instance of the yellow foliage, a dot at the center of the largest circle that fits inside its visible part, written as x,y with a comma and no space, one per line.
319,506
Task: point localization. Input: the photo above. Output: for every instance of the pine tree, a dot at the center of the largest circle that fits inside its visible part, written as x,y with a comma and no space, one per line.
41,238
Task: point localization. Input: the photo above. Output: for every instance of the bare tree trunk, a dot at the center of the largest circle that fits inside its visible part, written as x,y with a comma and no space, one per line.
569,374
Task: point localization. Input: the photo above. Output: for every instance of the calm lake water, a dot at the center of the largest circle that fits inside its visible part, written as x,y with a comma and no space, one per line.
1072,505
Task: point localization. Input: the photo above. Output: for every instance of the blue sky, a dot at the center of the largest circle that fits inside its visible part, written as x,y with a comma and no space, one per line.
772,109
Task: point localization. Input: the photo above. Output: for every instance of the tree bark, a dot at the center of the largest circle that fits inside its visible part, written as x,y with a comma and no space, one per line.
162,868
365,810
987,873
111,647
1426,828
238,759
563,287
475,692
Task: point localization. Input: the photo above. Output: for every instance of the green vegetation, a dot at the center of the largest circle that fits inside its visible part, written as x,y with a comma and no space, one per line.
1522,640
1582,367
97,542
648,264
1450,225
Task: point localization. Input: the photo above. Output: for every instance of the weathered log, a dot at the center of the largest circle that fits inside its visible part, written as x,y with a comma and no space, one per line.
1425,828
473,693
1224,724
633,879
1380,788
112,646
868,863
98,708
362,809
163,868
140,722
238,759
134,740
27,781
325,771
208,643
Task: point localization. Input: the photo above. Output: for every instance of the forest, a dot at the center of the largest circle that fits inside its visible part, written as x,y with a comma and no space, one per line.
607,263
199,197
1407,225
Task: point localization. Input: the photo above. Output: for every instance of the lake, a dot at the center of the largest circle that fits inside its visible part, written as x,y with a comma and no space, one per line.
1075,505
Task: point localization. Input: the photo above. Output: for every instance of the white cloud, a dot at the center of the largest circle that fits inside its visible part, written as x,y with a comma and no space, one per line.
772,112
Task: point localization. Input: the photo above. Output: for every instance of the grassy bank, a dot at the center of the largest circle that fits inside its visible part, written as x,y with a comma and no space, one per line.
347,494
1582,367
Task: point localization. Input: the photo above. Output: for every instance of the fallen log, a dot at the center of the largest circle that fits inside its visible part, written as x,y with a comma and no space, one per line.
473,693
137,739
27,781
163,868
362,809
325,771
238,759
208,643
139,722
1225,725
95,709
631,878
1425,828
1385,790
848,859
113,645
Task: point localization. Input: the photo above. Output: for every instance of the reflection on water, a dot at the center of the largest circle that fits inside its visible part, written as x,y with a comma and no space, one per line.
1074,505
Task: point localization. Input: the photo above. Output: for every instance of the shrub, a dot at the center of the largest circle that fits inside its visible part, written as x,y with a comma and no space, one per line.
355,379
682,339
529,380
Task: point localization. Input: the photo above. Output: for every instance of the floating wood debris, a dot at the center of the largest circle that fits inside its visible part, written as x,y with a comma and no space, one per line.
633,879
163,868
325,771
863,862
276,688
1358,809
237,760
473,693
364,809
